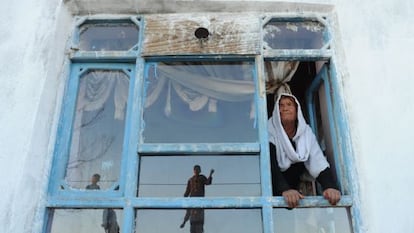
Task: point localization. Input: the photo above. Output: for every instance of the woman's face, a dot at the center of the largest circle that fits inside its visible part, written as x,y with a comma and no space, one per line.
287,109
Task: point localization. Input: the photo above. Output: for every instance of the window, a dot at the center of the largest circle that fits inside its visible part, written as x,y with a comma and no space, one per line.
207,102
144,104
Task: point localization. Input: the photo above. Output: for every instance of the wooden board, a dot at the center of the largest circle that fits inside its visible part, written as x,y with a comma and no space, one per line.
174,34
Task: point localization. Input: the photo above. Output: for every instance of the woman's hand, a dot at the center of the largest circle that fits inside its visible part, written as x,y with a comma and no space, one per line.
332,195
292,197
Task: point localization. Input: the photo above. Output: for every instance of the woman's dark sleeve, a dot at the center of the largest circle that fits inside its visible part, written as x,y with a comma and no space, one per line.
279,183
326,179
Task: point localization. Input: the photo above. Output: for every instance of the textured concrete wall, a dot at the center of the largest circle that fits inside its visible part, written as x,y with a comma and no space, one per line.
31,66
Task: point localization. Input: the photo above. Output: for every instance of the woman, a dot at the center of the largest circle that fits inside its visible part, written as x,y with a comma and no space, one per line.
294,148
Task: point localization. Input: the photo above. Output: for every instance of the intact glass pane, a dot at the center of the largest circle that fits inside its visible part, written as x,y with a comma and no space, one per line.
108,36
294,35
199,221
311,220
196,102
85,221
98,130
168,176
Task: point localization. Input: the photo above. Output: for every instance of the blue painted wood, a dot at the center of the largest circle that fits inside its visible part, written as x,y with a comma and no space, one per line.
310,94
105,56
200,202
200,57
48,219
346,144
267,215
63,132
131,174
314,202
333,128
128,219
261,109
132,166
187,148
86,203
129,151
297,55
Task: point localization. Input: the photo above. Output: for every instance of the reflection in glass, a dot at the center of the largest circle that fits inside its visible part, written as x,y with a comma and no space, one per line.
85,221
98,129
167,176
294,35
311,220
215,220
198,102
108,36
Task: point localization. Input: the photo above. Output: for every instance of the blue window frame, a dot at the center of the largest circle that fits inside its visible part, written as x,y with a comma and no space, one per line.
162,115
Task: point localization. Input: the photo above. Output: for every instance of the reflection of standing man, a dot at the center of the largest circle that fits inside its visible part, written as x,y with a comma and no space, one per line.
94,182
196,188
196,184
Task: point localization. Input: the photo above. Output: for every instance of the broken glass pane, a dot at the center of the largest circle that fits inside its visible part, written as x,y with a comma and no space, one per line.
98,130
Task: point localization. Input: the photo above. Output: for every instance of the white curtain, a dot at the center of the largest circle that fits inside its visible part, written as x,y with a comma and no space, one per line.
278,74
95,89
200,86
204,85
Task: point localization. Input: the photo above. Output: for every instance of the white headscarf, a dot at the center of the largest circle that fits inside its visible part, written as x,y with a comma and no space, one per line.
307,147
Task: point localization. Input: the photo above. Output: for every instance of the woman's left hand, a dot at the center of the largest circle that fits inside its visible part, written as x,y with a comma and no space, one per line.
332,195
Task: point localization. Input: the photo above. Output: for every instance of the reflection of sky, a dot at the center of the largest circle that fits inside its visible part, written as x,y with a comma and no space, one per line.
311,220
108,37
215,221
80,221
168,175
298,35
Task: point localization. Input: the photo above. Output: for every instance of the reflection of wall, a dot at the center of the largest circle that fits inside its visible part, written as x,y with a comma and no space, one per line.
216,220
80,220
329,220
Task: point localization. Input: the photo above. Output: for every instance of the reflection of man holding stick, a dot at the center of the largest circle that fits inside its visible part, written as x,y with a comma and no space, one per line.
196,188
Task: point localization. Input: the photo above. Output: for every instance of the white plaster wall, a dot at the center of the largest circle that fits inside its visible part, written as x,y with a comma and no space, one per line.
31,62
377,39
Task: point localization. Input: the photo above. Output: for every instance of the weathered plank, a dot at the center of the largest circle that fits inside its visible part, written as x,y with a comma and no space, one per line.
173,34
